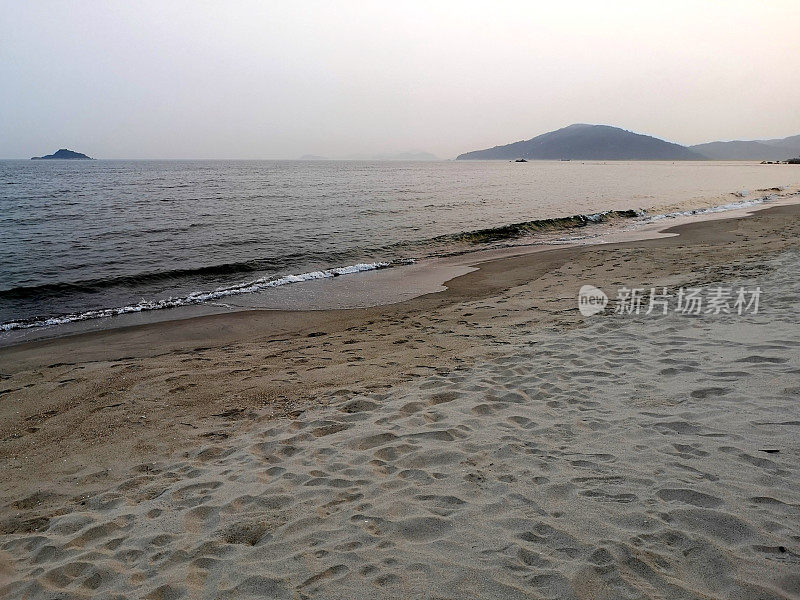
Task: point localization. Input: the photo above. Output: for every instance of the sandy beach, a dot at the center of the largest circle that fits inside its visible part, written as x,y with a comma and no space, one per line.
399,300
483,441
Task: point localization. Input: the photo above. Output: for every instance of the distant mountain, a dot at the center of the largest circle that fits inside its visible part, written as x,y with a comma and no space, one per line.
63,154
779,149
587,142
312,157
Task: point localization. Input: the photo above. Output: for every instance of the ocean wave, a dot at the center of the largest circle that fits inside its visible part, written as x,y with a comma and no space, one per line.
248,287
513,230
95,285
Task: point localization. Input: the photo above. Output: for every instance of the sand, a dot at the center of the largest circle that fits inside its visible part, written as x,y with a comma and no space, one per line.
486,441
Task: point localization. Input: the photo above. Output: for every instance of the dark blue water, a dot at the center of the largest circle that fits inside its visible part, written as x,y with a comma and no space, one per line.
82,236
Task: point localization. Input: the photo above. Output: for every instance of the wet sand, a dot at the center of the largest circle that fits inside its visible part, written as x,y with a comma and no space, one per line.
485,441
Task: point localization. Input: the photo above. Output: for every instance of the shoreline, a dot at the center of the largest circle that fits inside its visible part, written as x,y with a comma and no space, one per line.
433,273
377,287
291,357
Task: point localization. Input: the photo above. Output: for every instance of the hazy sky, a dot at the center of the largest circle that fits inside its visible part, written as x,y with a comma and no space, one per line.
230,79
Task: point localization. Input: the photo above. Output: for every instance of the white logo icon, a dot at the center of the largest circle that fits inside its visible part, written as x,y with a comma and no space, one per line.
591,300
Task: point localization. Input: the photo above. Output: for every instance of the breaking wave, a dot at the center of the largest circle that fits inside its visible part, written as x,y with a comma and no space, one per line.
248,287
514,230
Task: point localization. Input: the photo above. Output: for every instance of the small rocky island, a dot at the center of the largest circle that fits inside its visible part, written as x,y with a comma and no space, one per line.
64,154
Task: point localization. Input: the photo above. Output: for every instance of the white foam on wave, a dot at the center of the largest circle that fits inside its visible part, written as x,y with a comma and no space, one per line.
711,209
249,287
